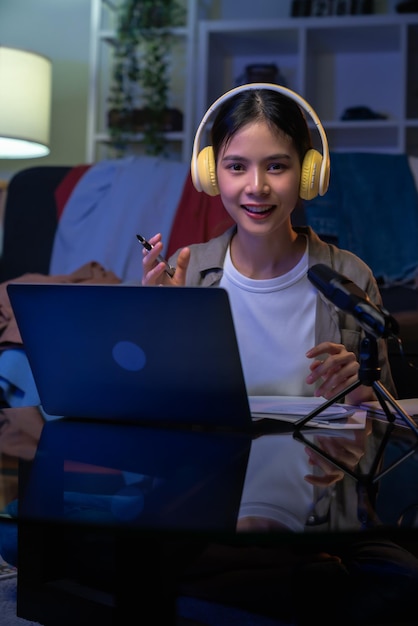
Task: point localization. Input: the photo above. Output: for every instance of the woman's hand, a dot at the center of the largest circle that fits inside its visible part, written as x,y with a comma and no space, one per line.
335,370
153,272
345,450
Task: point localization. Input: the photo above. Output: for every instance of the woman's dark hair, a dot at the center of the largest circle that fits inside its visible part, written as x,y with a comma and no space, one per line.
279,111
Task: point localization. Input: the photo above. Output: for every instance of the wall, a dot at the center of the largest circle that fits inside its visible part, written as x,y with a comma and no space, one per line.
60,30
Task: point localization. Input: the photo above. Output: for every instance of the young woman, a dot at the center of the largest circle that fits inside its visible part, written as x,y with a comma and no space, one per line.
292,340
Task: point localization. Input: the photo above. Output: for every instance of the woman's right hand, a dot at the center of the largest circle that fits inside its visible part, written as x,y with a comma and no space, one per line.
153,272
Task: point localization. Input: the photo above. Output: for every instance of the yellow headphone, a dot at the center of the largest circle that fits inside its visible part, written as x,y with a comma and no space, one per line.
315,171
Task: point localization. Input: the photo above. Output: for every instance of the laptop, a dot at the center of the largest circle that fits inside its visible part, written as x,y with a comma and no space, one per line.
136,353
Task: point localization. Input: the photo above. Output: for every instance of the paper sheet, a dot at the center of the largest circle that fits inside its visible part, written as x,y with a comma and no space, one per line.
291,409
409,405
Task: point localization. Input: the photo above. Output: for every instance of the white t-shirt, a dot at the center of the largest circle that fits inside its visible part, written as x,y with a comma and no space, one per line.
275,325
274,486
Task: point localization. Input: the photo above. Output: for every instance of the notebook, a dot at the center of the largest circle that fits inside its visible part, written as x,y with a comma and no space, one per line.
133,352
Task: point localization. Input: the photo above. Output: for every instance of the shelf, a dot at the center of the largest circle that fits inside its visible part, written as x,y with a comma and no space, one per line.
137,137
334,62
109,36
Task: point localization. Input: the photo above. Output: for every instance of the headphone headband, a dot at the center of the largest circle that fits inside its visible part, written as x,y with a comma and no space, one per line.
325,161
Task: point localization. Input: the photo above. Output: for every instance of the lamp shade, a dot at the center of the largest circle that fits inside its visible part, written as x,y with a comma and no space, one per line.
25,104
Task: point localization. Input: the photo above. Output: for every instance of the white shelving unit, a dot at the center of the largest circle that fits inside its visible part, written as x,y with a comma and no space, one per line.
103,24
334,63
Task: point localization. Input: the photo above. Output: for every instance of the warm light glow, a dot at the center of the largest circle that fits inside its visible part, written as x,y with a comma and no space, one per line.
25,104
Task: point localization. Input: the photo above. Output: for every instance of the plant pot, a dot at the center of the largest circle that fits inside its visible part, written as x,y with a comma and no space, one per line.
137,120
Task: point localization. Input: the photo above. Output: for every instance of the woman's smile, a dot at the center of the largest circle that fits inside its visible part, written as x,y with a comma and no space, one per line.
258,212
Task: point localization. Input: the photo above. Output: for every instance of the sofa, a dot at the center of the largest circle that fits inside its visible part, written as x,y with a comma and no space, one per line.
85,197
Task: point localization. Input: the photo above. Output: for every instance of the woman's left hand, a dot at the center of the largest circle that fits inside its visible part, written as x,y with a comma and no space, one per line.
336,369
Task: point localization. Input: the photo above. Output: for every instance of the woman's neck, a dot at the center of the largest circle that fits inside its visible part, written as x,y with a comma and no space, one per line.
260,257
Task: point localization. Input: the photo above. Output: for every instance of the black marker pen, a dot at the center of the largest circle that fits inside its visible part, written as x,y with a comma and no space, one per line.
168,268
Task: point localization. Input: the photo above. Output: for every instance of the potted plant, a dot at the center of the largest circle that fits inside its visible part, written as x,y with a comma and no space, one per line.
140,78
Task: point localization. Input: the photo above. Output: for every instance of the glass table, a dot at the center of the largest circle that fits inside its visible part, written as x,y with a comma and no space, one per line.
108,520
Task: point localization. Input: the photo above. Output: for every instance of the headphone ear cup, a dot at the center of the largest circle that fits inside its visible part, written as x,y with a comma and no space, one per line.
206,171
310,175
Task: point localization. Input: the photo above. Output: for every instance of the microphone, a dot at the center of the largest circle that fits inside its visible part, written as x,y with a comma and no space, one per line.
348,297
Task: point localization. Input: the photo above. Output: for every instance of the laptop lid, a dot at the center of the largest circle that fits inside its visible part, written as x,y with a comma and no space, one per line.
133,352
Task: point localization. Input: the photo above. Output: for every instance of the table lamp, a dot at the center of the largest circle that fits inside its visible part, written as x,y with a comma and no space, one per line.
25,104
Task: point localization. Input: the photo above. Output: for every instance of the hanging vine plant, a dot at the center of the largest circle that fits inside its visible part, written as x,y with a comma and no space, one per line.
140,85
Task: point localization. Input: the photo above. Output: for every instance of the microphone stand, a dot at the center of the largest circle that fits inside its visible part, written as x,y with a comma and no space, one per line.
366,482
369,375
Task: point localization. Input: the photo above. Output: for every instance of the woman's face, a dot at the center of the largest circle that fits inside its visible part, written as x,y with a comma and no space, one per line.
258,174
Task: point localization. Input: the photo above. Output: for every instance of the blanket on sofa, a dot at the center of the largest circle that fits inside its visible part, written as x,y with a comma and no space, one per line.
114,200
371,208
